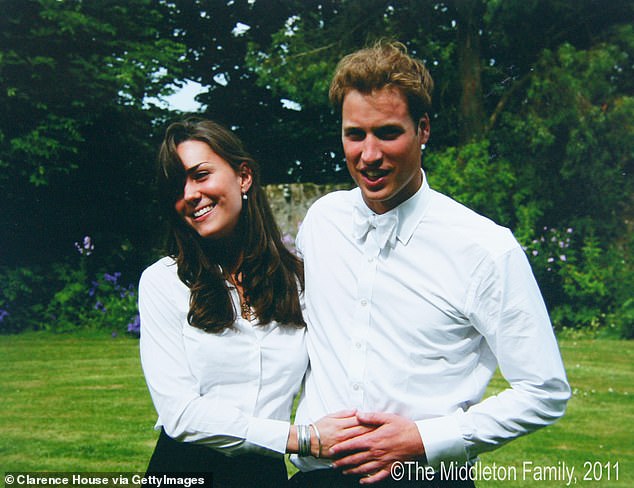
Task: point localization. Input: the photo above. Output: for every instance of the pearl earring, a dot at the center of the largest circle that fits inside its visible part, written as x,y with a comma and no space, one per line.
244,196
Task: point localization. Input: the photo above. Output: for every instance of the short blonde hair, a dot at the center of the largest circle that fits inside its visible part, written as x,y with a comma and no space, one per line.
384,64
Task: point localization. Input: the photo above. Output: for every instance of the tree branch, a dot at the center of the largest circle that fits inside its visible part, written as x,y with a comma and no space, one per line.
505,98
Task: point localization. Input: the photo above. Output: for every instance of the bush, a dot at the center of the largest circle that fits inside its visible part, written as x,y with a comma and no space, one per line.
473,176
20,298
585,286
73,296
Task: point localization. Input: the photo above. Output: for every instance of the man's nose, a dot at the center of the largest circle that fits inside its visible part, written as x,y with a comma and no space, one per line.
371,150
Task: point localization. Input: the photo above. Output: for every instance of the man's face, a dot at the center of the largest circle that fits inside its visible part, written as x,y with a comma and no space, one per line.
382,145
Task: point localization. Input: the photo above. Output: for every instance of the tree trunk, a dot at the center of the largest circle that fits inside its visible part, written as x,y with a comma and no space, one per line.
472,118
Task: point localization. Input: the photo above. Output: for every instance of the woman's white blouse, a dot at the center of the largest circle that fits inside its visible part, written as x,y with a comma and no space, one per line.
231,391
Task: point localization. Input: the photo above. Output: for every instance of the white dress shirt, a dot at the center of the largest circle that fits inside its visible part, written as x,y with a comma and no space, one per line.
232,391
418,327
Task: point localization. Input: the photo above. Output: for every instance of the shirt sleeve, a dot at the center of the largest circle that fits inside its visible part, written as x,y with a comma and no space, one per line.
184,413
507,308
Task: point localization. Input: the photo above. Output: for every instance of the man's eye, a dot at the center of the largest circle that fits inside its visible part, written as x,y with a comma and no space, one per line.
355,135
389,134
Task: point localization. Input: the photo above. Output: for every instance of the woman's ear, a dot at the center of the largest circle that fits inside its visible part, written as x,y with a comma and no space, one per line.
246,177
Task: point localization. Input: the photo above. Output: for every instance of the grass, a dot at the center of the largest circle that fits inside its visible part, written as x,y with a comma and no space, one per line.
79,403
596,432
73,403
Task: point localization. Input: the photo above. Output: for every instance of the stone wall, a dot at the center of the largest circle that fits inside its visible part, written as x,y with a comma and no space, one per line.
290,202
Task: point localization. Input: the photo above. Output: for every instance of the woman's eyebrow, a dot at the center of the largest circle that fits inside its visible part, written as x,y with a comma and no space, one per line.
195,168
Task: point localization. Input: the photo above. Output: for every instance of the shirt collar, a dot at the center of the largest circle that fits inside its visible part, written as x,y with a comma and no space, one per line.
412,211
409,213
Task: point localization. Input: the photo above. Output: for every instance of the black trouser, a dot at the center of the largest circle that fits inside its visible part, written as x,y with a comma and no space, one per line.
180,459
330,478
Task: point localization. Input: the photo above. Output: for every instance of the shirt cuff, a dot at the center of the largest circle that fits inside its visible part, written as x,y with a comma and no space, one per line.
442,440
268,433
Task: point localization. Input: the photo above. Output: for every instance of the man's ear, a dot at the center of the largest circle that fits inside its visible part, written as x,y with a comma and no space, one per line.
424,129
246,177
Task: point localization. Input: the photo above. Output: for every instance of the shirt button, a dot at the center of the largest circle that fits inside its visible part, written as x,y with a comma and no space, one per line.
364,302
370,260
355,387
357,345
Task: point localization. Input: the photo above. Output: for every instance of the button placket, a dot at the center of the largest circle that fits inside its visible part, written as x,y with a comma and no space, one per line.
361,322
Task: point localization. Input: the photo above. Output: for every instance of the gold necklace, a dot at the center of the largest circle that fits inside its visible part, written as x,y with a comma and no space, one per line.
245,307
247,311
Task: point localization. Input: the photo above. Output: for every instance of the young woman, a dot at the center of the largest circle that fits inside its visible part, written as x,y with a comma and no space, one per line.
222,332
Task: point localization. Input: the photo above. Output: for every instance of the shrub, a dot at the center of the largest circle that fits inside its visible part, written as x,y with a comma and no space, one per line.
473,176
20,298
73,296
114,304
585,285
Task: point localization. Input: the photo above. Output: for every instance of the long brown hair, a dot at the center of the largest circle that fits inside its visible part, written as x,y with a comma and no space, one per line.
271,276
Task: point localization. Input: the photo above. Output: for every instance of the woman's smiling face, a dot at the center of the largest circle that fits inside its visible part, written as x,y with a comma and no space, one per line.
211,202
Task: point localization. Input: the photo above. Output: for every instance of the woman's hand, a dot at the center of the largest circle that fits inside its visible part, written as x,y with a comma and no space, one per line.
334,429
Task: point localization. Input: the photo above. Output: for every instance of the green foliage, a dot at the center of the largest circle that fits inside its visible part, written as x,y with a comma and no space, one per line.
572,139
97,55
473,176
68,296
78,158
74,77
20,305
571,145
292,67
621,315
115,305
91,300
69,306
586,286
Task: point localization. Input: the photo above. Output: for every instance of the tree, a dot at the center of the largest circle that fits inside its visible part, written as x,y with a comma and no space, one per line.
469,17
74,130
218,35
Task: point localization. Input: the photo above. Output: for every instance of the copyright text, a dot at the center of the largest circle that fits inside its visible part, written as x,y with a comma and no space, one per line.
563,473
129,480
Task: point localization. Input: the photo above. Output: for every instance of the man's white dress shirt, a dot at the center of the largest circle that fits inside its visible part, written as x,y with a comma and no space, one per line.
418,327
233,390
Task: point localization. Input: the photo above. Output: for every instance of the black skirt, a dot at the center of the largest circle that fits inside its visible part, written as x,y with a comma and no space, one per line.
175,460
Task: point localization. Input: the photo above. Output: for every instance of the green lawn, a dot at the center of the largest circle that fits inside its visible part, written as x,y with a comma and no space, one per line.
79,403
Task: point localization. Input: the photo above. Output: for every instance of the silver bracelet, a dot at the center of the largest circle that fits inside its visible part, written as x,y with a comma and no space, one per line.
306,450
318,439
303,440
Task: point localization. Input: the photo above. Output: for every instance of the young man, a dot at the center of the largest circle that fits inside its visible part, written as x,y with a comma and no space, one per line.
413,300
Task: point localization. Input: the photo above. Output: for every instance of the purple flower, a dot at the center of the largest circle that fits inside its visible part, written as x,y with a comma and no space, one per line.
93,288
3,314
112,278
134,326
100,306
